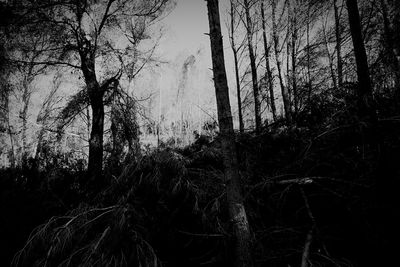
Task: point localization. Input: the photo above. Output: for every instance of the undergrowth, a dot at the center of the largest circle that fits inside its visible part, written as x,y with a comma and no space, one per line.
330,190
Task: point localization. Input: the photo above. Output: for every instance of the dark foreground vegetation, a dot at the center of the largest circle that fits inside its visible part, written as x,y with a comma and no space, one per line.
323,190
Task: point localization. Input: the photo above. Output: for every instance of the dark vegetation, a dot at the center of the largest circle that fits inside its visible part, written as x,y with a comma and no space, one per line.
324,179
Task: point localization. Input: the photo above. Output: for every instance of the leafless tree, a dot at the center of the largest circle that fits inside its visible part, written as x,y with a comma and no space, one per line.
237,211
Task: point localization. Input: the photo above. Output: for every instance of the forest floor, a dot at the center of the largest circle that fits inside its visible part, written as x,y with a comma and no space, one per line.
328,195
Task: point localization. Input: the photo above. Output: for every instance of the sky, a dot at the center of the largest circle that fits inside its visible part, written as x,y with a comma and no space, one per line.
185,27
185,35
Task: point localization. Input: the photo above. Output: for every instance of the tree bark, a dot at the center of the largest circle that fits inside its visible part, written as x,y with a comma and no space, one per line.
95,165
293,54
236,207
308,55
338,45
96,139
366,106
10,132
284,89
257,104
26,97
330,59
236,63
268,73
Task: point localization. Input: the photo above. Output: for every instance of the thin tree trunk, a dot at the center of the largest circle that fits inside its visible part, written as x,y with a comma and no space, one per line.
23,116
305,258
39,145
294,40
26,96
236,63
236,207
366,106
288,76
308,55
257,108
284,89
267,65
116,144
330,60
10,134
338,45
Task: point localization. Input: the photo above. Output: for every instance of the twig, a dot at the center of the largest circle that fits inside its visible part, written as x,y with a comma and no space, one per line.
200,235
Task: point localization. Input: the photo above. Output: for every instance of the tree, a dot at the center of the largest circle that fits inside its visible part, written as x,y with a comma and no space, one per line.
292,25
268,72
249,31
277,50
235,51
366,106
82,35
338,44
237,211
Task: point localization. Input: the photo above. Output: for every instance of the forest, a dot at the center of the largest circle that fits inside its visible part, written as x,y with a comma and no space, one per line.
171,133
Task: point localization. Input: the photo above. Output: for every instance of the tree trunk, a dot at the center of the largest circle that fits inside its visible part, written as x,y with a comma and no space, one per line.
284,89
293,54
338,45
39,146
308,55
366,106
330,60
257,108
10,132
26,96
236,207
95,165
236,63
267,65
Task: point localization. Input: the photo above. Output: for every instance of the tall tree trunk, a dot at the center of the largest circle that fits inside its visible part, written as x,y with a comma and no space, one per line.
293,54
236,63
236,207
10,132
116,142
288,76
257,104
366,106
284,89
26,96
308,54
338,45
23,116
267,65
330,60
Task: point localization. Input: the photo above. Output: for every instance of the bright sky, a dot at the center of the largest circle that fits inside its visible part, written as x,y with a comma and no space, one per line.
186,27
185,30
